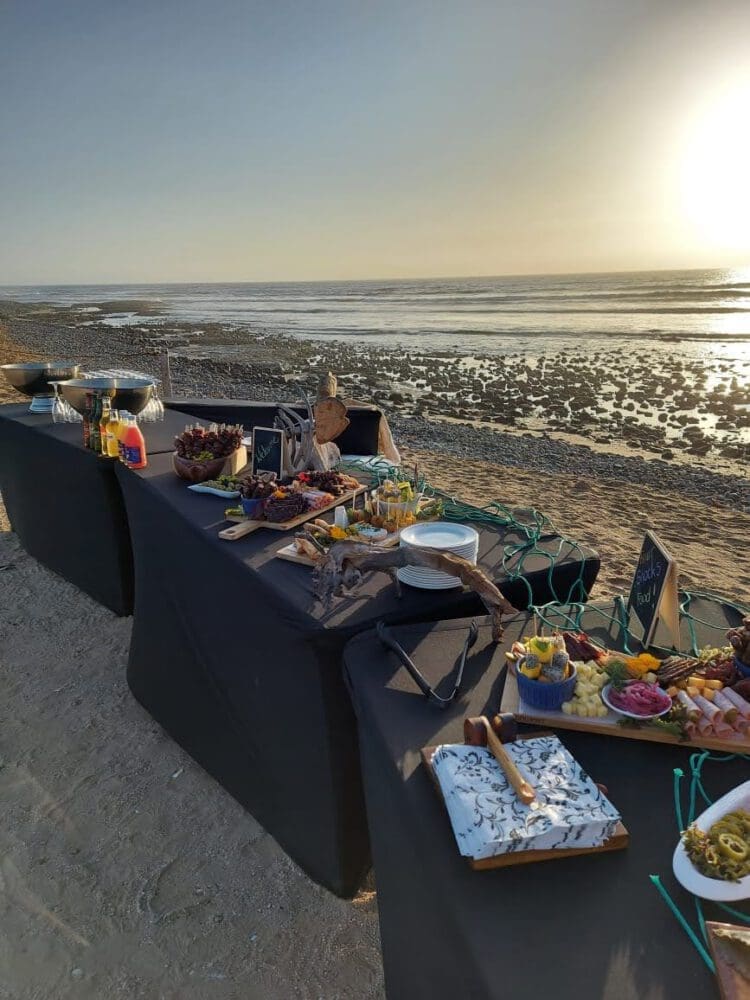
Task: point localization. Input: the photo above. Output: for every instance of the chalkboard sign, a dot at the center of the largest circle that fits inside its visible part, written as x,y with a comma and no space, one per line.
268,451
653,594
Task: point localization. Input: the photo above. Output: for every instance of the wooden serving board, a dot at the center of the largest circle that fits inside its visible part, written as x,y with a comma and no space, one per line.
511,702
732,984
617,842
244,525
290,554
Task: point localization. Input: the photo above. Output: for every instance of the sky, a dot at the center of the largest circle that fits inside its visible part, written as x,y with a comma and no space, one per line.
232,140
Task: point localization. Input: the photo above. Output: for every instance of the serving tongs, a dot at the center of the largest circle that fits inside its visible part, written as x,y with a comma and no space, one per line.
386,637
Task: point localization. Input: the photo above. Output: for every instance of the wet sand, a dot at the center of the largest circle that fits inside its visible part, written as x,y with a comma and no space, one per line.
665,404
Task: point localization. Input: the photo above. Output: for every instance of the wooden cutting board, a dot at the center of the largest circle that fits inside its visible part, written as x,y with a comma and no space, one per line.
290,554
733,985
244,525
617,842
511,702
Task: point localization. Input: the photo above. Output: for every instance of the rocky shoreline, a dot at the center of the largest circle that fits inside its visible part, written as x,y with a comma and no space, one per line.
490,417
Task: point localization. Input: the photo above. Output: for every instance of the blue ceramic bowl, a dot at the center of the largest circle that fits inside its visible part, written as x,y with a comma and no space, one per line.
742,668
548,697
253,508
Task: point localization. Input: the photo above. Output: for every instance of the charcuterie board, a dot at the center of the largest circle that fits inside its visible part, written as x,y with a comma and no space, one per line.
609,725
244,525
290,554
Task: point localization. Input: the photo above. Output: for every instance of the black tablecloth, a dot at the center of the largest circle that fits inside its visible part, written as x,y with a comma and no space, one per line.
64,502
231,654
589,928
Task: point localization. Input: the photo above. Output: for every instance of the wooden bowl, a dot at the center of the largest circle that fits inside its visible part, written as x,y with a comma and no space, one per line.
193,471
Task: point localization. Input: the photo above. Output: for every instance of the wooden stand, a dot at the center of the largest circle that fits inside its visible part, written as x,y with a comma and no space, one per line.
236,462
654,596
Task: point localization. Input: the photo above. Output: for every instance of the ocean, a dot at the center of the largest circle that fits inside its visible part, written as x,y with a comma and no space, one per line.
707,311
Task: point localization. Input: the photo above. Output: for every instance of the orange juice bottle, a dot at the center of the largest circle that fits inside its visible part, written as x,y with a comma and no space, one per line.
133,445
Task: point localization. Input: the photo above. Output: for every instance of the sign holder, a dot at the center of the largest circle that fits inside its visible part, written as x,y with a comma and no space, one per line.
269,451
654,595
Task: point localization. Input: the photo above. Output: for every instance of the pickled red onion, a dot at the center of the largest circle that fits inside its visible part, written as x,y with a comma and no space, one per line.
640,698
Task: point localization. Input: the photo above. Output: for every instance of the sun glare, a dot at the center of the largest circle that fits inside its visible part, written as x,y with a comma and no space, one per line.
716,171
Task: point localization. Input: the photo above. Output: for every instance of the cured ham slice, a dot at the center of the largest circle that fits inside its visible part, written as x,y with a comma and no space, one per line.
693,712
731,713
728,708
704,725
713,715
742,706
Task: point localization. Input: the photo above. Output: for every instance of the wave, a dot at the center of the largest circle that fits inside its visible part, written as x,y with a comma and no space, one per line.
520,334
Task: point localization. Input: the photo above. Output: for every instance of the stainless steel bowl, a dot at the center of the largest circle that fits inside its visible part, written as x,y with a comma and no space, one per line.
34,378
130,394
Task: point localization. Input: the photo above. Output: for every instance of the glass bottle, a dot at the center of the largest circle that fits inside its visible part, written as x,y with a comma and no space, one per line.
134,445
113,431
87,420
95,443
103,421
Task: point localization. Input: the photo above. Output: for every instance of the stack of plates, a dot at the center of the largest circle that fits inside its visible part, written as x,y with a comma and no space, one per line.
457,539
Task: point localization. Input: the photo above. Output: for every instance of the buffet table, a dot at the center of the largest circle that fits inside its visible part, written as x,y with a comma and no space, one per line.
64,502
232,655
586,927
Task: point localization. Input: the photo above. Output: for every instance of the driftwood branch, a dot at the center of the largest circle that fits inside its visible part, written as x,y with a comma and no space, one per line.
304,450
341,572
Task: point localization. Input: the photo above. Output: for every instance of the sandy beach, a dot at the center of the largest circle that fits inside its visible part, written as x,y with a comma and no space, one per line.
126,871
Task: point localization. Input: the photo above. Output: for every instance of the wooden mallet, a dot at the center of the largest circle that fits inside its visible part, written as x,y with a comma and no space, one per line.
479,733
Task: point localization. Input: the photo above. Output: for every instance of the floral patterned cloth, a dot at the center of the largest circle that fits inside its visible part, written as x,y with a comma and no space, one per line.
487,816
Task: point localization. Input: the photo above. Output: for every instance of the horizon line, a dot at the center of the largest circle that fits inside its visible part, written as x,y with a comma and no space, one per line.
323,281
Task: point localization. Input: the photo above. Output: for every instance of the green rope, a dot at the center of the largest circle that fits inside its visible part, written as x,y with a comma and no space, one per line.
538,540
534,530
678,776
685,925
691,620
697,761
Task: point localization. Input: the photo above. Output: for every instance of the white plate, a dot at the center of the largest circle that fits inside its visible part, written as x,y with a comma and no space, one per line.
689,876
226,494
632,715
440,535
427,584
427,573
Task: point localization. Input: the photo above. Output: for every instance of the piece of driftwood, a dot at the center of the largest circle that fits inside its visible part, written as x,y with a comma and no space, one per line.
330,419
341,572
330,411
303,450
328,385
